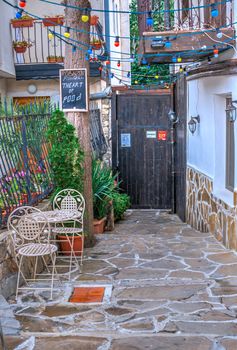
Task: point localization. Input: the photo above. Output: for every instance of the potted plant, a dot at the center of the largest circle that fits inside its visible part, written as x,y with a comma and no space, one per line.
103,186
75,244
94,20
121,202
24,21
96,44
20,46
55,59
49,21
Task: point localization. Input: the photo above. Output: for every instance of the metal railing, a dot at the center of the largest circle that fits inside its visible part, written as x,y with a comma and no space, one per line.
42,46
184,15
25,176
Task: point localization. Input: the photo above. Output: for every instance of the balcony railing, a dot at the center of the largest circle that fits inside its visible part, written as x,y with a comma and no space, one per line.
186,15
42,47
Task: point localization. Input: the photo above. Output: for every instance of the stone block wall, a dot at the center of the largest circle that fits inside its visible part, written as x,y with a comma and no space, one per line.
106,124
207,213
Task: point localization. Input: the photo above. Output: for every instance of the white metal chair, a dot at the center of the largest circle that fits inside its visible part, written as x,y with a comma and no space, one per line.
31,239
70,199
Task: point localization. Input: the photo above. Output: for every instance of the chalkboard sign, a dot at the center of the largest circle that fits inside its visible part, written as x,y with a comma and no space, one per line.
73,90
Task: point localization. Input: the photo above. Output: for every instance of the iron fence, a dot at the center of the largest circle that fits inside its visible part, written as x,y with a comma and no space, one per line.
25,176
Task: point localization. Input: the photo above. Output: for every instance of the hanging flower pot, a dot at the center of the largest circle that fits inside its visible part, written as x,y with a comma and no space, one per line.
23,22
20,46
53,21
94,20
96,44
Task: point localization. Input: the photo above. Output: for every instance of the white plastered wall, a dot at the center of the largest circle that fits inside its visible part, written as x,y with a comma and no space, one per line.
207,147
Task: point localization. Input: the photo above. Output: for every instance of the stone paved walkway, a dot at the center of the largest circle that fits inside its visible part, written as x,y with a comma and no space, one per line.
173,288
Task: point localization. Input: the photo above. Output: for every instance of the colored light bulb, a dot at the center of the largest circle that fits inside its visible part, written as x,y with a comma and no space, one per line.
107,62
22,4
136,82
157,76
74,49
118,64
132,59
18,14
174,59
111,75
89,51
219,34
67,33
50,36
116,42
149,20
85,17
179,59
214,10
168,44
128,75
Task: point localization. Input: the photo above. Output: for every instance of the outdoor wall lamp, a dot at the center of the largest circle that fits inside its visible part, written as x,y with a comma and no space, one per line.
173,117
192,124
231,113
157,42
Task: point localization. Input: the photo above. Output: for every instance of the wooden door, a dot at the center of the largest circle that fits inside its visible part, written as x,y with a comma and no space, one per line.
142,147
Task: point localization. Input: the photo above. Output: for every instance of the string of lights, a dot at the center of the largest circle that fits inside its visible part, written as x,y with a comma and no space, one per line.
212,6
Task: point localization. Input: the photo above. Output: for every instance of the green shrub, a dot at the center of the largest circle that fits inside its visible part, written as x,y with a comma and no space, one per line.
103,185
66,156
121,202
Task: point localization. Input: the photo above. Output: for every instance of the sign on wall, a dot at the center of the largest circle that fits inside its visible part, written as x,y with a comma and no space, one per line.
162,135
73,90
125,140
151,134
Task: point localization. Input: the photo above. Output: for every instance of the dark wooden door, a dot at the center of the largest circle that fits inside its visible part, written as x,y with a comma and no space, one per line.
142,152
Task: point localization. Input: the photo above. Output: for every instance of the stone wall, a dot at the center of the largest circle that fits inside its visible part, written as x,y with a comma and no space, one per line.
207,213
106,124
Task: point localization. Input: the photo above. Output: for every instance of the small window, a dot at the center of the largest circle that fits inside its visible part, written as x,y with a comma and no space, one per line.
230,153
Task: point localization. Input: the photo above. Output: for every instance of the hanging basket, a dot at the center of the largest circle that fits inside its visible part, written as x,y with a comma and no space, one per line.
94,20
53,21
22,23
20,49
96,45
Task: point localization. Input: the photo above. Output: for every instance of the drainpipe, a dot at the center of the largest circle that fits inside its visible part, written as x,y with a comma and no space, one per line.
107,30
106,93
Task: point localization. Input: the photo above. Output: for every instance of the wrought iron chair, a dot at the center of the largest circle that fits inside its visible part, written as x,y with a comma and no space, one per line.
69,199
31,239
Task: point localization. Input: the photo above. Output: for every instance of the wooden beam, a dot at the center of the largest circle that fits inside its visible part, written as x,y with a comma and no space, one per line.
189,42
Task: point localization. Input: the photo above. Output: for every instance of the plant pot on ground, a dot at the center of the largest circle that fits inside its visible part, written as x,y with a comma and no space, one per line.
75,244
99,225
103,187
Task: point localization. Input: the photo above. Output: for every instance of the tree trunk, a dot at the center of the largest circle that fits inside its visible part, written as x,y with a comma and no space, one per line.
81,121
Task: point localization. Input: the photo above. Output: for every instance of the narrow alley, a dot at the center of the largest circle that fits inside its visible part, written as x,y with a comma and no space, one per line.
172,288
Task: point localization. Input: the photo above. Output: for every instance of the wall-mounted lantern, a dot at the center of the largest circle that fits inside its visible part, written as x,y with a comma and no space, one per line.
192,124
173,117
231,112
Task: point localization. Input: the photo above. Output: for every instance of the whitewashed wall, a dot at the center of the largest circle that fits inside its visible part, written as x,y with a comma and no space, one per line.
120,26
7,68
207,147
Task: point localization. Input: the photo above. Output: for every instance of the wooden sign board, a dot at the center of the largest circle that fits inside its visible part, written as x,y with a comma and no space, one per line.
73,90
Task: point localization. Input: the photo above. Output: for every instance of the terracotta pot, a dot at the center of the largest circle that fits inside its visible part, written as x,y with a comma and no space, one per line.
99,225
94,20
65,246
96,45
20,49
22,23
53,21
